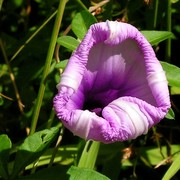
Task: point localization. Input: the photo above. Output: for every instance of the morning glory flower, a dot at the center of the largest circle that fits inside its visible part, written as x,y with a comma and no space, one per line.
113,88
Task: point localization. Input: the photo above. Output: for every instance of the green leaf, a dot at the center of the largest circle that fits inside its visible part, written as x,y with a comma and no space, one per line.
18,2
68,42
175,90
56,173
61,64
155,37
1,2
173,169
172,74
65,155
77,173
32,148
89,154
153,155
5,146
170,114
174,1
81,23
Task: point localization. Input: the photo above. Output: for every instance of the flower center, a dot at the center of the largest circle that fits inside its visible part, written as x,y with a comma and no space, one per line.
93,107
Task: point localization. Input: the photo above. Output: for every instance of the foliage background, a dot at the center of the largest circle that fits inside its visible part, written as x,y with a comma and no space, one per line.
22,61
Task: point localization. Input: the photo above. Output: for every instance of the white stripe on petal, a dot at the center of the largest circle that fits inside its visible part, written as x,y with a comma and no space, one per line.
83,124
137,118
67,80
156,77
113,30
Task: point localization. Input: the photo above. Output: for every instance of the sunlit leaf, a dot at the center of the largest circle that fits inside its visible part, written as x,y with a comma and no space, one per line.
32,148
5,146
172,74
68,42
174,1
62,64
155,37
64,156
77,173
175,90
153,155
81,23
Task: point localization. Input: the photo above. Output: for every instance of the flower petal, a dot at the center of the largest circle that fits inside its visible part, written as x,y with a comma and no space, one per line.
113,88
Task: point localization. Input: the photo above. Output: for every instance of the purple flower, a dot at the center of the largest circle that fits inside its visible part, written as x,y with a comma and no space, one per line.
113,88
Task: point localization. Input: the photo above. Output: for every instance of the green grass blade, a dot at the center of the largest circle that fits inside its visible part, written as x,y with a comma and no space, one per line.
174,168
49,58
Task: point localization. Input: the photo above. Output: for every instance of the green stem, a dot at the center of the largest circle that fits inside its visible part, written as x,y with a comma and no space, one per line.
12,77
56,147
168,43
89,155
32,36
155,13
49,58
82,5
51,118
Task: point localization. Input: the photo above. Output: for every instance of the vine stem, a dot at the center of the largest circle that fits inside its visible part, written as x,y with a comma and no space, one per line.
91,9
57,24
12,77
168,43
